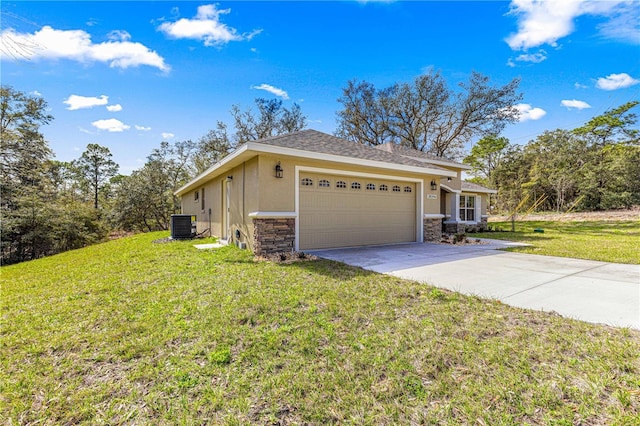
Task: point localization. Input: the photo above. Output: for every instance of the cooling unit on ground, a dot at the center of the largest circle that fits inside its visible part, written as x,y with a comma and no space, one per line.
183,226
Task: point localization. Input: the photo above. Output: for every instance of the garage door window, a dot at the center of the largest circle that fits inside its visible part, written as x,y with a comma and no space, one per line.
341,184
306,182
371,187
396,188
323,183
383,187
355,185
407,189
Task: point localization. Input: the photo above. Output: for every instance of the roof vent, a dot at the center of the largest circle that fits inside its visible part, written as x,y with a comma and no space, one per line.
183,226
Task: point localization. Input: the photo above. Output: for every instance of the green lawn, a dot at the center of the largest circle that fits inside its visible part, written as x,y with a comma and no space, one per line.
608,241
133,332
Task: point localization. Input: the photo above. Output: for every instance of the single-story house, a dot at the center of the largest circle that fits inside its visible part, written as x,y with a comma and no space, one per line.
310,190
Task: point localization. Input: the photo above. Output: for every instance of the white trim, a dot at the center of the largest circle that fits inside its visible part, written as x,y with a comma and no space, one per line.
211,169
480,191
455,191
419,194
273,149
258,147
272,215
433,216
484,216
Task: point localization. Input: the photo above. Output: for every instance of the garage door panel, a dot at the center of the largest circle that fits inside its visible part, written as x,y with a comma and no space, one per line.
330,216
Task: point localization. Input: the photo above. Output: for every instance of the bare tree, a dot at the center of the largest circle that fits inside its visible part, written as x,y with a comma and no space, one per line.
272,119
426,114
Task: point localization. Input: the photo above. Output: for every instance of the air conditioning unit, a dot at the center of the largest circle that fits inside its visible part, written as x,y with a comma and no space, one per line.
183,226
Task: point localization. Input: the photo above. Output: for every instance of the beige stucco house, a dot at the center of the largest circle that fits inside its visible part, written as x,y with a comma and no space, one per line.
310,190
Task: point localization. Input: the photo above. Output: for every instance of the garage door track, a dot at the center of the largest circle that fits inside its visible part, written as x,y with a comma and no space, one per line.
587,290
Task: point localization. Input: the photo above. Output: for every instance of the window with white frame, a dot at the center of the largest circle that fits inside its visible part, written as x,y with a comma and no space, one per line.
468,208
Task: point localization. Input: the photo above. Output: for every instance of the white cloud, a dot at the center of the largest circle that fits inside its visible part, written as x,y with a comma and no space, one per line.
579,86
536,58
546,21
76,45
527,112
80,102
110,125
114,108
574,103
166,135
205,26
142,128
616,81
271,89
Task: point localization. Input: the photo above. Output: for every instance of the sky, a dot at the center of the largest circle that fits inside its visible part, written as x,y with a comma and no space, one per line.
128,75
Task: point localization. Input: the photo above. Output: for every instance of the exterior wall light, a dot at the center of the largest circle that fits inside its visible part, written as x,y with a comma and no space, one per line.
278,170
433,185
229,178
449,179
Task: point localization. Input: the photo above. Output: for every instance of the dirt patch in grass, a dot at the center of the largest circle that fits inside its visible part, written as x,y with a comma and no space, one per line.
623,214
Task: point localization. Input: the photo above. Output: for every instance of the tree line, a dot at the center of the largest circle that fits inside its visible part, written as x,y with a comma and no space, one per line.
49,206
593,167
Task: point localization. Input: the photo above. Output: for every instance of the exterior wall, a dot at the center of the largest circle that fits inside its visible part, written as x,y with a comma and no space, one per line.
278,195
273,235
193,206
243,199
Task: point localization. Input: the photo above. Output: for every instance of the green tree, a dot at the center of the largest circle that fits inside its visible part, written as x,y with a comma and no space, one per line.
95,168
25,196
485,157
145,200
426,114
212,147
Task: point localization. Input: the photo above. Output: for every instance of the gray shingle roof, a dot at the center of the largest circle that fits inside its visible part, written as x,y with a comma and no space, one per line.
474,187
315,141
402,150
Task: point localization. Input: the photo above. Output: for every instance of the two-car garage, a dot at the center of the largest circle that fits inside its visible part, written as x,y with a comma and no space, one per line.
350,210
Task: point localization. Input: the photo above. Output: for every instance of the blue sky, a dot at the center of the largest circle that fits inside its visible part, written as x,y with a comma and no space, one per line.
127,75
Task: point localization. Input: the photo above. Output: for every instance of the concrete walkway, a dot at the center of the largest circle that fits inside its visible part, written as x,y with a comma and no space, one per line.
587,290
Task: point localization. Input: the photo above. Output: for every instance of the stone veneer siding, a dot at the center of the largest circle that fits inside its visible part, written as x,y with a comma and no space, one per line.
273,235
454,227
432,230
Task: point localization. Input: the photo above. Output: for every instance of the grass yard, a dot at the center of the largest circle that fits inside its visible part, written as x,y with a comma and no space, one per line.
608,241
133,332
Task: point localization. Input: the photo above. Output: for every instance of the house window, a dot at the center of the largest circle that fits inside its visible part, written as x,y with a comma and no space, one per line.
467,208
306,182
407,189
355,185
396,188
383,187
323,183
202,200
341,184
371,187
196,195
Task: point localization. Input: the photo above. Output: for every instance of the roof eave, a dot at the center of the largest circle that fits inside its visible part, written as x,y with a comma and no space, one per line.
257,147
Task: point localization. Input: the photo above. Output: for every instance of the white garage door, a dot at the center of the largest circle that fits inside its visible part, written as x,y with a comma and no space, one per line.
344,211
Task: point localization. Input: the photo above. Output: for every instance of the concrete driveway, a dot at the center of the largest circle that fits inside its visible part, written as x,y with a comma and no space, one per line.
587,290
